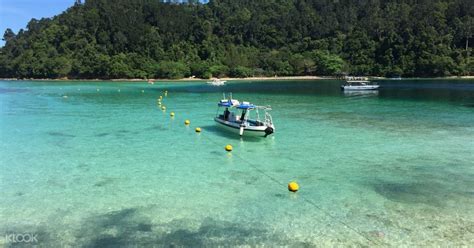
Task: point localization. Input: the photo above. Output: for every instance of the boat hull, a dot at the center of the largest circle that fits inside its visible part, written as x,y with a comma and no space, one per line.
255,131
216,84
359,87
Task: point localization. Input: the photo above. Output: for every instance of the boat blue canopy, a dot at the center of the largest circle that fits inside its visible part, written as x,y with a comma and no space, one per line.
225,104
246,106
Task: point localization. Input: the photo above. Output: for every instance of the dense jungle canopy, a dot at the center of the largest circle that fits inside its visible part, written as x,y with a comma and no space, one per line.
240,38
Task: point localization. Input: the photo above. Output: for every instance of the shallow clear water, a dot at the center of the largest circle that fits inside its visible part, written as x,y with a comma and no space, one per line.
106,167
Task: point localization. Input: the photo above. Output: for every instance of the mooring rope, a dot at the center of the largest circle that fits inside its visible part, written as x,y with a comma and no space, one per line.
253,166
305,199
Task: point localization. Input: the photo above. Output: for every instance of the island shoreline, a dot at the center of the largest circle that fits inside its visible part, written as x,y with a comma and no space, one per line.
157,80
140,80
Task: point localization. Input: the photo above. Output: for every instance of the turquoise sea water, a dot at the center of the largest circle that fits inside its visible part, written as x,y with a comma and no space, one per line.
106,167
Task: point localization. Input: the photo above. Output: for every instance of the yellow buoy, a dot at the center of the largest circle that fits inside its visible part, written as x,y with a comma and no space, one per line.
161,97
172,114
293,187
228,148
198,129
187,122
163,108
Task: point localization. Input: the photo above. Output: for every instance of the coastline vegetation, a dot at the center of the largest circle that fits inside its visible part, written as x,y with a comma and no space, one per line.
110,39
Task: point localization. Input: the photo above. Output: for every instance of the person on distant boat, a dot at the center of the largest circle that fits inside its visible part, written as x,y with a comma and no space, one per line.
226,114
243,116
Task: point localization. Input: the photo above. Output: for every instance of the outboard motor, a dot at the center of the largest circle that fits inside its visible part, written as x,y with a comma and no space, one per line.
268,131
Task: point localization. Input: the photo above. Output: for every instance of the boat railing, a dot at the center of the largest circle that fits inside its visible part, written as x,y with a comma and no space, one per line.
264,107
353,78
268,119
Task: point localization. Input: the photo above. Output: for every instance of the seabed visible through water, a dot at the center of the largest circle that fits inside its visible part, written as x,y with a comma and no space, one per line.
106,167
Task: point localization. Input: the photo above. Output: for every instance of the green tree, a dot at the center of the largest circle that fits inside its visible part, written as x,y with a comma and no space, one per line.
131,39
172,70
241,72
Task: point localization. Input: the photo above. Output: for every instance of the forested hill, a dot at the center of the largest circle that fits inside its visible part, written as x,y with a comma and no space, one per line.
151,39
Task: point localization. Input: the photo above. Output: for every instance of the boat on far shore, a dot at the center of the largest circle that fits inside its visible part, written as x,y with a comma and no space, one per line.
396,77
358,84
216,82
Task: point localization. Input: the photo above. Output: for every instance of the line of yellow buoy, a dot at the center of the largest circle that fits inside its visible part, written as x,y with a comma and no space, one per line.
172,114
292,186
118,90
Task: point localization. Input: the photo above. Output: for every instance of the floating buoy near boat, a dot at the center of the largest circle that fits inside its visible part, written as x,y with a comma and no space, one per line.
172,114
198,129
187,122
228,148
293,187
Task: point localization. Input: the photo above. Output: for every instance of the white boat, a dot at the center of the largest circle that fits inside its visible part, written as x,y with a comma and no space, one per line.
216,82
236,117
395,77
358,83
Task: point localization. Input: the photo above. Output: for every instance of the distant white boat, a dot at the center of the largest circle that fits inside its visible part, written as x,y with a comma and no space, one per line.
358,83
396,78
216,82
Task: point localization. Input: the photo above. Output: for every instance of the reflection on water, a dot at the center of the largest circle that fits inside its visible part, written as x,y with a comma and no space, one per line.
456,90
361,93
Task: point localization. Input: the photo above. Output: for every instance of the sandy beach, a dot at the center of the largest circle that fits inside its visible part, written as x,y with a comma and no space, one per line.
175,80
139,80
